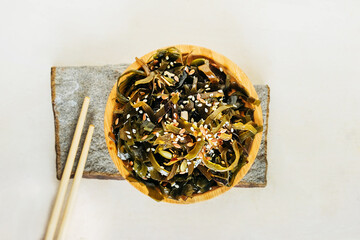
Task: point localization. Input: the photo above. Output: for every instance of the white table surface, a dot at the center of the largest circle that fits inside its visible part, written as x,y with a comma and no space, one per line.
307,51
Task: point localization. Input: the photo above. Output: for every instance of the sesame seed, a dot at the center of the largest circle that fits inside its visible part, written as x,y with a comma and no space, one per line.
174,106
157,134
206,110
137,109
207,89
232,130
167,57
190,96
171,63
135,146
192,129
199,139
127,116
205,126
153,149
207,85
141,111
192,120
221,70
168,66
199,105
129,137
145,100
211,95
148,150
172,135
166,115
220,91
177,186
127,132
193,109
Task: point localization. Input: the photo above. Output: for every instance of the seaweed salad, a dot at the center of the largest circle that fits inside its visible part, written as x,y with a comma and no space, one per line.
182,124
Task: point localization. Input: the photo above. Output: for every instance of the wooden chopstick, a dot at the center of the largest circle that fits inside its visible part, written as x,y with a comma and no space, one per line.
49,235
76,183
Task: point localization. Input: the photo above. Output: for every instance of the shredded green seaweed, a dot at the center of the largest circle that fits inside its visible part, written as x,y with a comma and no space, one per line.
181,125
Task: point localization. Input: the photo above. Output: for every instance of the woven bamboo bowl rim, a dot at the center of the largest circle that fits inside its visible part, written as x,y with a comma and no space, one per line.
239,76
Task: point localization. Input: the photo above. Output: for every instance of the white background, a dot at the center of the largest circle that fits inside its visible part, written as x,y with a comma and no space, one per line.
308,52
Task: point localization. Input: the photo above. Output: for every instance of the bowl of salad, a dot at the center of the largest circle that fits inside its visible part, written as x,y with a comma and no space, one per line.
183,124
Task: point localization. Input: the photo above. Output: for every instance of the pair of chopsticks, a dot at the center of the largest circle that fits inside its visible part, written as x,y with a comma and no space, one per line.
54,218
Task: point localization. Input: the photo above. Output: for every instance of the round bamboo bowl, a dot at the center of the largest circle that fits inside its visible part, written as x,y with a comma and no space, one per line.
239,76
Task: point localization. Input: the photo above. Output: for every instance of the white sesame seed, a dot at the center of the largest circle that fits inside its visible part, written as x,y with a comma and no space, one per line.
232,130
234,105
168,66
206,110
127,132
199,105
134,130
166,115
211,94
146,96
153,149
207,89
221,70
140,111
127,116
177,186
129,137
135,146
189,96
207,85
171,63
174,106
220,91
208,104
172,135
137,109
196,101
148,150
205,126
192,129
167,57
145,100
157,134
199,139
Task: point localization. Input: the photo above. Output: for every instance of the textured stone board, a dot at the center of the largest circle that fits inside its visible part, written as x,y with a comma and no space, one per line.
69,86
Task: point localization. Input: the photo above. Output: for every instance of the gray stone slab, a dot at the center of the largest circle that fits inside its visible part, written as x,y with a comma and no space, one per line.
69,86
